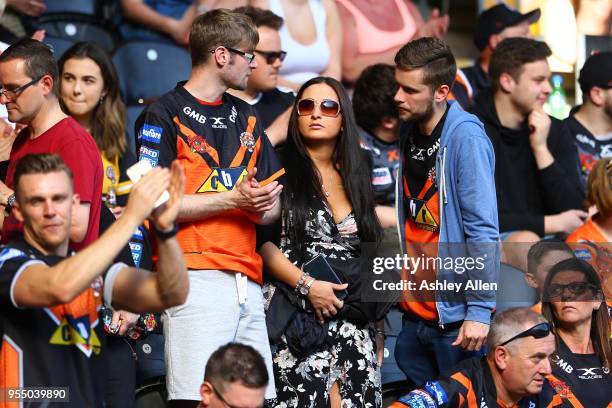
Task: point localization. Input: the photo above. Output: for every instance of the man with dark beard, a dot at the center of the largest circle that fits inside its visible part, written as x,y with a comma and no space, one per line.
590,124
445,195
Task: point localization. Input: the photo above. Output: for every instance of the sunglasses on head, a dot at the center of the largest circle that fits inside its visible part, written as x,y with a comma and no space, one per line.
538,331
576,288
328,107
272,56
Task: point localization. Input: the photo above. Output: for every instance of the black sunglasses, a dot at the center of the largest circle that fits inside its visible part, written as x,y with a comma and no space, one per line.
576,288
248,56
328,107
272,56
220,397
13,93
538,331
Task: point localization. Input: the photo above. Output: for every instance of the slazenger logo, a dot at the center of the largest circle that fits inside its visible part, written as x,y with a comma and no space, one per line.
194,115
218,123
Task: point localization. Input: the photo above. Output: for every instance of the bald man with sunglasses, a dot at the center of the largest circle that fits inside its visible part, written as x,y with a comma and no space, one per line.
515,373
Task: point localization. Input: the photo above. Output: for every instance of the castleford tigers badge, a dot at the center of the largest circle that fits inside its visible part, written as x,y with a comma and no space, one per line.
247,140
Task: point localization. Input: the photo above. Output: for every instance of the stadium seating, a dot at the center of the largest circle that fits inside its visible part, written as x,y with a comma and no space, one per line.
75,30
58,45
147,70
86,7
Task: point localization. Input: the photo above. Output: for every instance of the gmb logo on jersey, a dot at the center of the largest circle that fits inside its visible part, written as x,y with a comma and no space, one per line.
221,180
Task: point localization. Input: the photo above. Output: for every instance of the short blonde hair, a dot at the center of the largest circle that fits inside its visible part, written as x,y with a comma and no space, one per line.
220,27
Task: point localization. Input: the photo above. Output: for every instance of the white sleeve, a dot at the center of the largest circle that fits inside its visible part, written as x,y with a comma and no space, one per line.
109,282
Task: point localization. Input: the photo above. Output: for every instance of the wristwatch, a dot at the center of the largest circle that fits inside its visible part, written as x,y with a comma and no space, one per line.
305,289
165,235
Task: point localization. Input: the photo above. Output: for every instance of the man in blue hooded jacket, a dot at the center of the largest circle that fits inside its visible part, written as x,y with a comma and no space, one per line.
447,217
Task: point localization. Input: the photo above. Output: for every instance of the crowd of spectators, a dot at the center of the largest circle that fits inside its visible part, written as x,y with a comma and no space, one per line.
311,139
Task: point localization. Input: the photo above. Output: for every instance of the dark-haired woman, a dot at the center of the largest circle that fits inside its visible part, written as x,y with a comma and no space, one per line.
575,306
89,92
327,209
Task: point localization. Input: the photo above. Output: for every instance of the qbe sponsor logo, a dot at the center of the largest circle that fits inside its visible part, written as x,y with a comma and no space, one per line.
221,180
150,133
150,155
193,114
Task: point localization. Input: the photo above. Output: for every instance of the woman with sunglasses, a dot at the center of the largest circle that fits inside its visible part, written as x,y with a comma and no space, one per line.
575,306
327,209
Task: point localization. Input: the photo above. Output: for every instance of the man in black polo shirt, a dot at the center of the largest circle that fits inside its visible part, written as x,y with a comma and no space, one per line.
51,333
271,103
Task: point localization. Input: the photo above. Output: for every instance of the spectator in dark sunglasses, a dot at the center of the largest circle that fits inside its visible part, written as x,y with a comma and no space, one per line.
574,304
515,373
272,103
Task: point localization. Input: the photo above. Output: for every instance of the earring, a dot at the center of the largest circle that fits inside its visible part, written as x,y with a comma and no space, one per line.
101,99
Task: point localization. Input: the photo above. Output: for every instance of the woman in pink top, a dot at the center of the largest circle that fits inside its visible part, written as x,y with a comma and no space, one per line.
374,30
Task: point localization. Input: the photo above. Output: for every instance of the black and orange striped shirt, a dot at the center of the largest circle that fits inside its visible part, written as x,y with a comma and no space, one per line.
471,385
216,143
59,346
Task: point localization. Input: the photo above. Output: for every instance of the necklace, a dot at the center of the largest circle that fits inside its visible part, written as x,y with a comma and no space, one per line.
325,191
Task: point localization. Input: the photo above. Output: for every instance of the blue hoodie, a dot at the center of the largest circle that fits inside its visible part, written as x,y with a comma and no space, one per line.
465,169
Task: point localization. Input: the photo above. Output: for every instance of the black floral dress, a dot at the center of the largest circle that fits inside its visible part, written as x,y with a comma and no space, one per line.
350,360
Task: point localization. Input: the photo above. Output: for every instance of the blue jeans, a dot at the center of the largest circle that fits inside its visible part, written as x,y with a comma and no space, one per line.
423,350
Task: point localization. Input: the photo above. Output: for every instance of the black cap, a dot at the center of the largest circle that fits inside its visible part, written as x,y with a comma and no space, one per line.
494,20
596,71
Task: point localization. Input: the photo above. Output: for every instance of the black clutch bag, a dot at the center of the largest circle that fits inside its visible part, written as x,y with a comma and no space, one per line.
319,268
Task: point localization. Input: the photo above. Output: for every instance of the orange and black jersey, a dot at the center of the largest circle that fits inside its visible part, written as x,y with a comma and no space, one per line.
583,374
470,385
216,143
60,346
